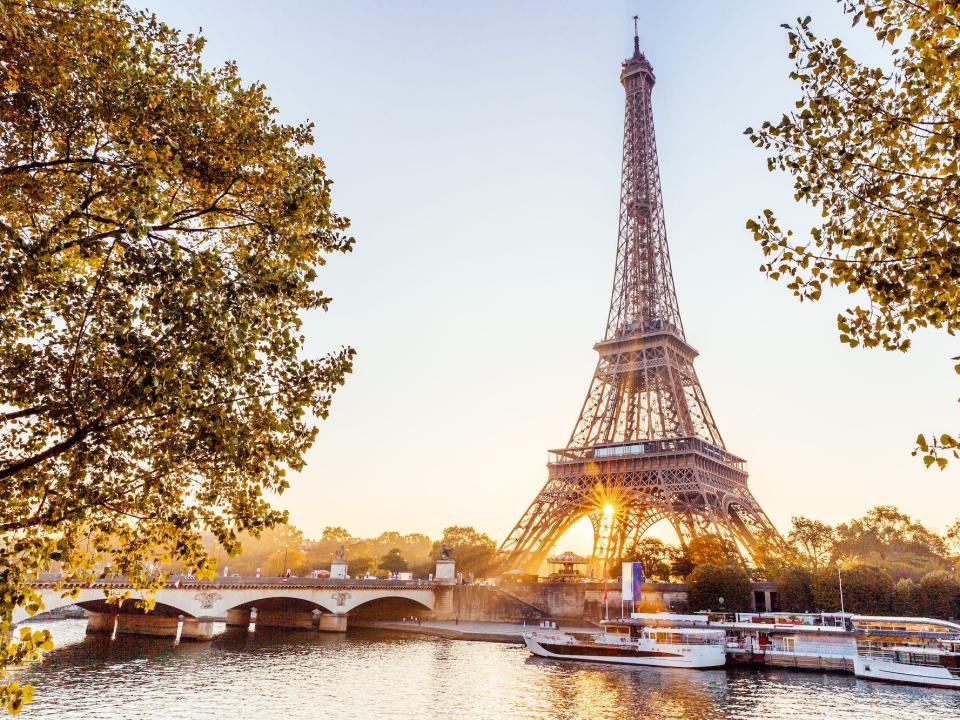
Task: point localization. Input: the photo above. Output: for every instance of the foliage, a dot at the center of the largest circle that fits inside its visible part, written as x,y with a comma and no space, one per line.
712,550
812,540
335,535
393,561
874,150
867,590
415,547
655,555
160,233
795,586
681,564
473,551
889,538
360,565
883,537
938,595
905,598
708,583
271,553
825,587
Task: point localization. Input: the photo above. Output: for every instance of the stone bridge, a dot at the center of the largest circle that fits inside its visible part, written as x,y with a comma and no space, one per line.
189,607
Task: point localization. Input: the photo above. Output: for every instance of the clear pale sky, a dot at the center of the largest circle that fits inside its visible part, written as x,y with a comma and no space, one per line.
476,147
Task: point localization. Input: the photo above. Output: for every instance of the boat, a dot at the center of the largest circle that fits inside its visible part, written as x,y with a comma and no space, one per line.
631,642
824,641
933,663
790,642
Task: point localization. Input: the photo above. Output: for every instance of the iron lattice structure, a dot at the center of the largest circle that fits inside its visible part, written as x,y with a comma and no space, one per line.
645,447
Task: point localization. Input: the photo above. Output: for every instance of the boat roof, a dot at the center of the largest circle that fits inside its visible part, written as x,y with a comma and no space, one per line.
915,620
672,617
785,628
663,628
922,649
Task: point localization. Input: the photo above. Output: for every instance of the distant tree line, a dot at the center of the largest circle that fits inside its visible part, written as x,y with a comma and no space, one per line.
284,548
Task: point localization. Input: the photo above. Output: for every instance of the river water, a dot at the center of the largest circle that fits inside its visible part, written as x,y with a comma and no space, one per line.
378,674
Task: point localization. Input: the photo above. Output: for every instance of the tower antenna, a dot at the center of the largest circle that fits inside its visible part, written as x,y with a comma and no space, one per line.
636,36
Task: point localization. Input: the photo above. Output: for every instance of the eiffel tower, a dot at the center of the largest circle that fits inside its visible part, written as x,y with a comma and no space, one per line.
645,447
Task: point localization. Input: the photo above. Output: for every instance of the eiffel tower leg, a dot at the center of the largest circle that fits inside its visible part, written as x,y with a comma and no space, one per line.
609,536
542,525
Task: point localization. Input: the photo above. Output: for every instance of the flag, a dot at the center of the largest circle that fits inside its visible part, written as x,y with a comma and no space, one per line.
637,577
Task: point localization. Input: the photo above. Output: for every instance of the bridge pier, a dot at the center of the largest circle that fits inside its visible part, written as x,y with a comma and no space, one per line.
238,617
292,619
150,625
101,623
333,623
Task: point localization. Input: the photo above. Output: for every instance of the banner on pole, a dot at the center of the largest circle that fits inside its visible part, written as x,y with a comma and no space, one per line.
637,581
631,578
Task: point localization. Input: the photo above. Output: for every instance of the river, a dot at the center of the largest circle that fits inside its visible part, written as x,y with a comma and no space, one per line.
378,674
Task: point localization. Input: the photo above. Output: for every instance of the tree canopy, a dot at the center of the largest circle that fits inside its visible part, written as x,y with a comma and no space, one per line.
160,234
889,562
875,151
472,550
719,588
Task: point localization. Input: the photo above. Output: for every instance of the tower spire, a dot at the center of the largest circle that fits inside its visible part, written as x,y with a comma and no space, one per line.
636,37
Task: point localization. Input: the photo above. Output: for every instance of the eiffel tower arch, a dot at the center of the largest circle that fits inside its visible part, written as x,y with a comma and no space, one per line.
645,447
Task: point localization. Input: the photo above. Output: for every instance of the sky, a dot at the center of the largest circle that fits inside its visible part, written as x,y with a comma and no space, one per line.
476,148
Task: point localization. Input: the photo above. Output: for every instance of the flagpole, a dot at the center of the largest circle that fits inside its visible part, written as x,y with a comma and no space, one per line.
840,579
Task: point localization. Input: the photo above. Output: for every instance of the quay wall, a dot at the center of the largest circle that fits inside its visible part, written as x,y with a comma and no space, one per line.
518,602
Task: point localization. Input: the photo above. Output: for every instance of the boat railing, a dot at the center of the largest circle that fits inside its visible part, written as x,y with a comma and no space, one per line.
752,646
876,653
684,639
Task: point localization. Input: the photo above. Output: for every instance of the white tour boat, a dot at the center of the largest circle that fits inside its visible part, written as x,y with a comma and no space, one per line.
631,642
933,665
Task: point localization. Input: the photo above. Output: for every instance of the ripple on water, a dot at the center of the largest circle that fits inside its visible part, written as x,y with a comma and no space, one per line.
371,674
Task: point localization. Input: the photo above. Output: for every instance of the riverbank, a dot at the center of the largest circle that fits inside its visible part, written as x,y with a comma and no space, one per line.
477,631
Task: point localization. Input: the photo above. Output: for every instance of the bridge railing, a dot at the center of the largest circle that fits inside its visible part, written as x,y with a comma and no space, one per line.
175,581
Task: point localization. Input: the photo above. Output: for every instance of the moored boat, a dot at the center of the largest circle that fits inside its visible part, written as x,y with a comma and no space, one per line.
935,664
630,642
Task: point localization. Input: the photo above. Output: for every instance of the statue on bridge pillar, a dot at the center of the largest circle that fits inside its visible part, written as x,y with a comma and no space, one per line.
446,568
338,568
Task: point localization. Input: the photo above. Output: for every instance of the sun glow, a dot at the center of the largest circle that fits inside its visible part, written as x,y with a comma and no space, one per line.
608,509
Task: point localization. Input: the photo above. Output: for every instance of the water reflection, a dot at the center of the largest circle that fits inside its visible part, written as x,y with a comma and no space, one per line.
373,674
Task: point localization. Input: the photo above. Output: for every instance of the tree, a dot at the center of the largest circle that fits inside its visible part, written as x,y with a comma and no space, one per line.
335,536
952,538
873,150
271,552
655,555
867,590
905,598
708,583
681,564
826,590
812,540
939,595
160,234
886,537
795,585
712,550
359,566
471,550
393,561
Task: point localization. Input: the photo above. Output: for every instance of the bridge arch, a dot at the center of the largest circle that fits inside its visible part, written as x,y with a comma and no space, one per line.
389,607
95,600
283,602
